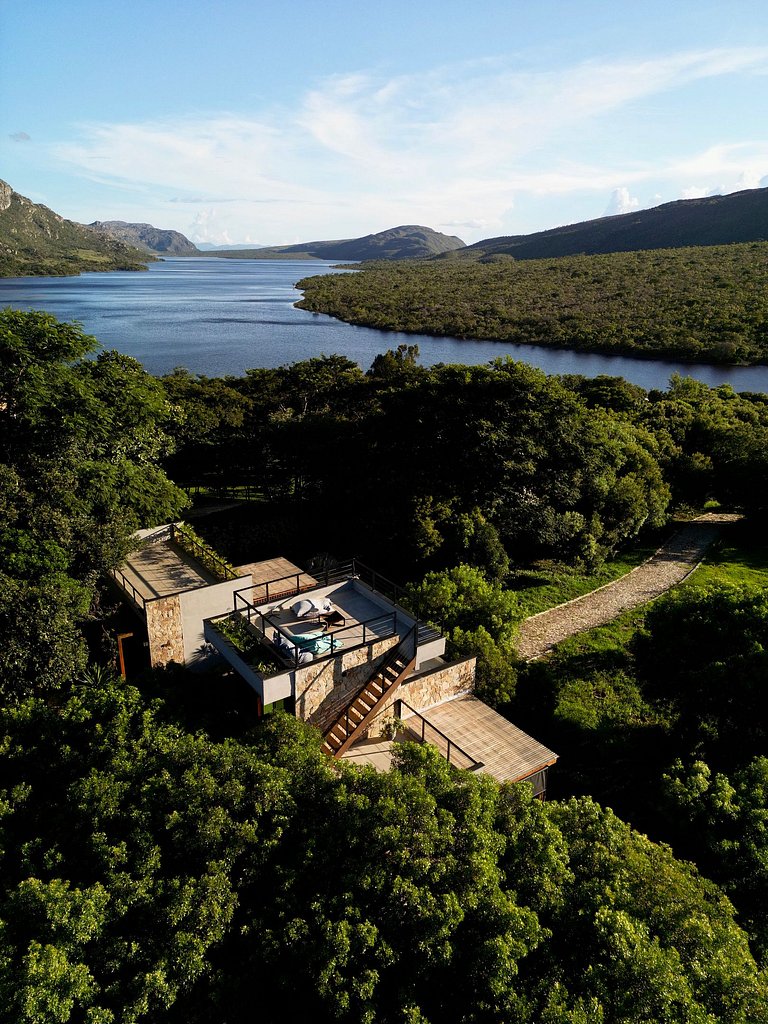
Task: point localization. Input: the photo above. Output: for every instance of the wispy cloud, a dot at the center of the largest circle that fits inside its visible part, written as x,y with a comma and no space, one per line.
20,137
449,146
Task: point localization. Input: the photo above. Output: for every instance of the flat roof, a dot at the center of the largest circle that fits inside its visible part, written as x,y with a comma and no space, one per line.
162,568
505,752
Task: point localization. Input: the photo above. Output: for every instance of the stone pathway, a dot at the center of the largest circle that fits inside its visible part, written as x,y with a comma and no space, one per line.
667,567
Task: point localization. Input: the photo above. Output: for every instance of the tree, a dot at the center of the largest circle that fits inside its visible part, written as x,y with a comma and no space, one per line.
81,441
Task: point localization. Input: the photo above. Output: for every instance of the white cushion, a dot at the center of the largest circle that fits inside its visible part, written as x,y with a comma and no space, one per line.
302,608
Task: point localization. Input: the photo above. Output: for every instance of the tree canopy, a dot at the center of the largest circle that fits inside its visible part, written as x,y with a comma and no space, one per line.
82,435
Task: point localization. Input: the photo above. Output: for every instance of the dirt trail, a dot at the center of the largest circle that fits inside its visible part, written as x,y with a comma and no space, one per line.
667,567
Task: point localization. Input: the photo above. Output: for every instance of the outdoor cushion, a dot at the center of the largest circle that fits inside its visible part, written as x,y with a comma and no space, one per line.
302,608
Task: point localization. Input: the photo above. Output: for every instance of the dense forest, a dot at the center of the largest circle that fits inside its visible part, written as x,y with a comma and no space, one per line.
166,857
706,304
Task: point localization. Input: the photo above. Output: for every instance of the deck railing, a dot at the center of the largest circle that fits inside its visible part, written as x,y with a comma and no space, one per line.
379,627
202,552
122,580
428,733
291,585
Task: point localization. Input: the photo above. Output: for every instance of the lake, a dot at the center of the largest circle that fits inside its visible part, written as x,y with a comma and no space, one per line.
219,316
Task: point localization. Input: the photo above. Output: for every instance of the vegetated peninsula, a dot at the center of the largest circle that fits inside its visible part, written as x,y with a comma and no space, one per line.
704,303
35,241
409,241
160,241
714,220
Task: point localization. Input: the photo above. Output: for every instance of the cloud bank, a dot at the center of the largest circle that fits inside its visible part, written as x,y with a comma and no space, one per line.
473,147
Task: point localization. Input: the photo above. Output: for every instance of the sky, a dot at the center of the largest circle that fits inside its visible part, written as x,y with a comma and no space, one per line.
279,122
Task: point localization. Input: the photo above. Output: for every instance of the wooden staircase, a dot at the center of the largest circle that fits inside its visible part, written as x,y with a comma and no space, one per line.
368,701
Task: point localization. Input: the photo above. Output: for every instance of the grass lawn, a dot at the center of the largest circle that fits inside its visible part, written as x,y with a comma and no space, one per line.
551,584
740,558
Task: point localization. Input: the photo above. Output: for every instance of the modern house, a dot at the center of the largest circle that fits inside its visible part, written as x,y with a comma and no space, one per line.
337,648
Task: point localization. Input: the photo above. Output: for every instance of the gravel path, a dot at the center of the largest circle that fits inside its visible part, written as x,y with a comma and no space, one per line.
667,567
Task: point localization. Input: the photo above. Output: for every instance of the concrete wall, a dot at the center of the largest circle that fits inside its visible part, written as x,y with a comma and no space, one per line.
165,632
230,653
204,603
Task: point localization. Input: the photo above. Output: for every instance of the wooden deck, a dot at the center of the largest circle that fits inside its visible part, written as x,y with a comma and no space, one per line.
273,569
506,752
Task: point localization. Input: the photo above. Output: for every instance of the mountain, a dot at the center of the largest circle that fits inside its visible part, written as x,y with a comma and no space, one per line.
208,246
715,220
35,241
407,242
145,236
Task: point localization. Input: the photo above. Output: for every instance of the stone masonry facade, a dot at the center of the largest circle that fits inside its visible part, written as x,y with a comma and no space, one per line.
424,691
323,688
166,634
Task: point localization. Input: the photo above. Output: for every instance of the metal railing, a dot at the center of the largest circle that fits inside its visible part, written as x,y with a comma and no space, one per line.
431,734
405,651
379,627
291,585
122,580
202,552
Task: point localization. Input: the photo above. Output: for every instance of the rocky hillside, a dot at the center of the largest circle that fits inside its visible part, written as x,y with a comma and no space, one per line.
715,220
160,241
35,241
407,242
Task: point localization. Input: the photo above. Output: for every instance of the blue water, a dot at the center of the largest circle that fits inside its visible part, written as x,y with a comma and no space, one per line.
217,317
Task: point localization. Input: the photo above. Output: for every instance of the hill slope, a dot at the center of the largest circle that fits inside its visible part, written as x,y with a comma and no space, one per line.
409,241
715,220
147,237
35,241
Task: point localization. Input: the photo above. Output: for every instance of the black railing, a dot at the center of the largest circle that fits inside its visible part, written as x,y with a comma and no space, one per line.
379,627
405,650
202,552
122,580
431,734
298,582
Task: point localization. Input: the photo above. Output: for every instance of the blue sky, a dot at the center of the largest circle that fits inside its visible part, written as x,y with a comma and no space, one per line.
269,122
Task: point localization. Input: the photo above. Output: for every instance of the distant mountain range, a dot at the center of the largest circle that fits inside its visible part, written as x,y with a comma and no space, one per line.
407,242
35,241
144,236
715,220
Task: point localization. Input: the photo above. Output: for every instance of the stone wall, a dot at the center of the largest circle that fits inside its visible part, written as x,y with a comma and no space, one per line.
424,691
323,688
164,628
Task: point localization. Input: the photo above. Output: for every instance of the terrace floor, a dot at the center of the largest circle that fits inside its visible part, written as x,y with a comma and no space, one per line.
271,571
356,607
505,752
162,568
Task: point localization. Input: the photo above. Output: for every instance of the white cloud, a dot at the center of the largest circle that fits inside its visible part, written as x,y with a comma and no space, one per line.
621,202
450,146
206,227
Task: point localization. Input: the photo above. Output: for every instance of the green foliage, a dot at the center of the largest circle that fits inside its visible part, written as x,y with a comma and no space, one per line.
705,304
35,241
154,875
702,654
723,822
81,439
234,628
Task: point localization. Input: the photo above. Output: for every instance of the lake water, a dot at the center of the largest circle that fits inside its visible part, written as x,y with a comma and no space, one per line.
218,316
